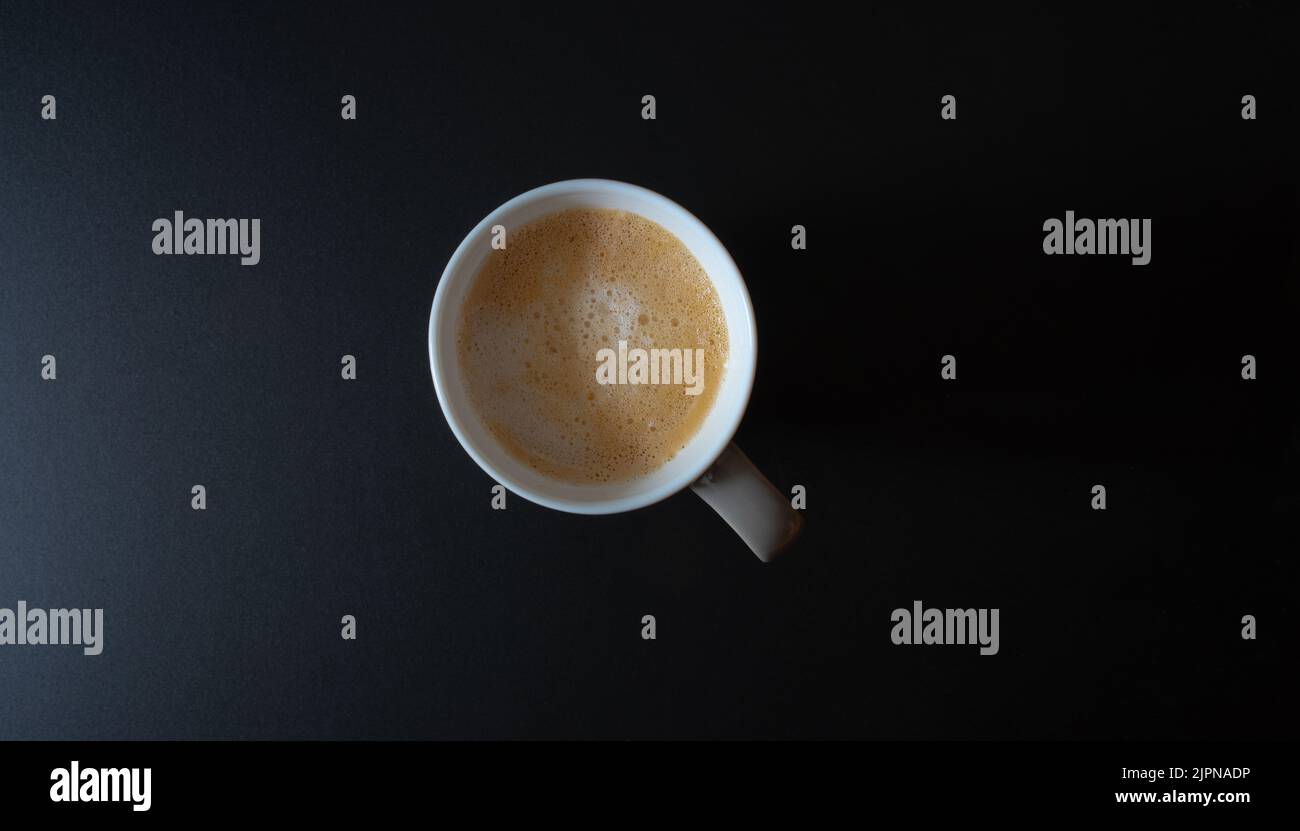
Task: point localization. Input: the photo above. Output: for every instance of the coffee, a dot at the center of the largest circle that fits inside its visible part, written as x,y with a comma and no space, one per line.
565,287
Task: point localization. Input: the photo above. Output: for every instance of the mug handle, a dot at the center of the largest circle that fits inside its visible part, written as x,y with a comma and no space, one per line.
754,509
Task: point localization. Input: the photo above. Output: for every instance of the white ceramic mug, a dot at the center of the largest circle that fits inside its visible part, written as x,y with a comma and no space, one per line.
710,464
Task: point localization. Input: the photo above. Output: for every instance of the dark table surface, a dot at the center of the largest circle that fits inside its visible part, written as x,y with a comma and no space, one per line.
328,497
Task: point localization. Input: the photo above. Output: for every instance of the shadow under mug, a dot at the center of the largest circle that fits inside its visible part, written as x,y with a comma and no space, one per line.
710,463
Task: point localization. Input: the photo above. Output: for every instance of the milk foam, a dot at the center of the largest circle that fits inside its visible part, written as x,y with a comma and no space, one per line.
565,286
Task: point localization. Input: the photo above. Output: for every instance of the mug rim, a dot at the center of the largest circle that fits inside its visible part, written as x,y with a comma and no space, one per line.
617,504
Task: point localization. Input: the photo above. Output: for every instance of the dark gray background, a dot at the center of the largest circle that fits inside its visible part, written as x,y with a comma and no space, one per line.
328,497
